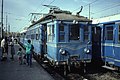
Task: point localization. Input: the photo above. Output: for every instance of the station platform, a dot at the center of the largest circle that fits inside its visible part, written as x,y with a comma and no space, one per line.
12,70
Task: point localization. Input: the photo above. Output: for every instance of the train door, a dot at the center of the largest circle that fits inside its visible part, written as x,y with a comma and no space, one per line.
44,37
117,45
96,44
108,42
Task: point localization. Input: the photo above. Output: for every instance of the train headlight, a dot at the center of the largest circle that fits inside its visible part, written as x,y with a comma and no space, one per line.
62,51
86,50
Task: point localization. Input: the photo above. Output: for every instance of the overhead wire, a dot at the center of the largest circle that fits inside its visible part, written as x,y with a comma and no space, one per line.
107,8
41,9
48,4
40,4
85,5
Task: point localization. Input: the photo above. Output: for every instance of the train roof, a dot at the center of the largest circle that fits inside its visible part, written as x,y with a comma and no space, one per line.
108,19
62,16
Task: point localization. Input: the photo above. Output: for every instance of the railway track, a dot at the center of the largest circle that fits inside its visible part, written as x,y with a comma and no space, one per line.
92,73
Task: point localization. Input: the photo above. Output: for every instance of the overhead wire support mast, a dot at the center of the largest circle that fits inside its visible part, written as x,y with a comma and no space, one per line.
90,6
6,24
2,20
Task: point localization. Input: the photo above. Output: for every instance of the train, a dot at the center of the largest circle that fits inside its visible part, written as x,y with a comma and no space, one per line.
107,43
63,39
68,40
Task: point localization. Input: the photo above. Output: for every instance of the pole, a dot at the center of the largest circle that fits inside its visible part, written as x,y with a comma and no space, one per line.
6,24
89,11
9,29
2,20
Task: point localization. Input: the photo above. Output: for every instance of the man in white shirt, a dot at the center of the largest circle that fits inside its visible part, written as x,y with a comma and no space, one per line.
2,46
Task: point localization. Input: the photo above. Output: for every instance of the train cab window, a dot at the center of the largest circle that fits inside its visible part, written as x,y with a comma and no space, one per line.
109,33
50,33
61,27
86,33
74,33
61,33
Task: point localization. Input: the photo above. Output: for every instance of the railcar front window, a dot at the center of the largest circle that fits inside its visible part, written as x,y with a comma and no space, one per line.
74,32
86,33
61,33
50,33
109,33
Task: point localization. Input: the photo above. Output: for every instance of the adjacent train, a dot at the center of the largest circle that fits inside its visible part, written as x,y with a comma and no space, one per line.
61,38
107,43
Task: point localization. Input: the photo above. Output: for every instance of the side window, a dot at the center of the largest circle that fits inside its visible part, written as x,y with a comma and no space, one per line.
61,33
86,33
32,36
37,34
74,33
109,33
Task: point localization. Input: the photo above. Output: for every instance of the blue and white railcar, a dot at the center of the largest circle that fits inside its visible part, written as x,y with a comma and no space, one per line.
110,44
68,39
63,38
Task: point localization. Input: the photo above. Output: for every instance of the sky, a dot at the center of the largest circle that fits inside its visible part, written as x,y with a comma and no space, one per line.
18,11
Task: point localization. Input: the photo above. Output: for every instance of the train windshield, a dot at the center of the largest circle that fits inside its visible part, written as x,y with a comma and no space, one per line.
86,33
74,32
50,33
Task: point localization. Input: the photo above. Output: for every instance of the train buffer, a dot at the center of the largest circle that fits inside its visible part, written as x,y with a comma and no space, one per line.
12,70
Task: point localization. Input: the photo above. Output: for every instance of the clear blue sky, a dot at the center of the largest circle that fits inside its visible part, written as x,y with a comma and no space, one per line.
18,10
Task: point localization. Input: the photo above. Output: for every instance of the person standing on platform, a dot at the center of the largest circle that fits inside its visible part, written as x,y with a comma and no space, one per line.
12,49
12,39
28,47
6,45
20,56
2,47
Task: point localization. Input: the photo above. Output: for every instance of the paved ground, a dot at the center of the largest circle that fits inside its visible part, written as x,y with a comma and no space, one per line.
11,70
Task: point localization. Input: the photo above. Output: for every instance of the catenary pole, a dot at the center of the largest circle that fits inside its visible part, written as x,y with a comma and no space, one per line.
2,20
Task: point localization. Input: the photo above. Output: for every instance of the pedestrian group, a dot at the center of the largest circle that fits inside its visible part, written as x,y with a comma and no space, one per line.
23,58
